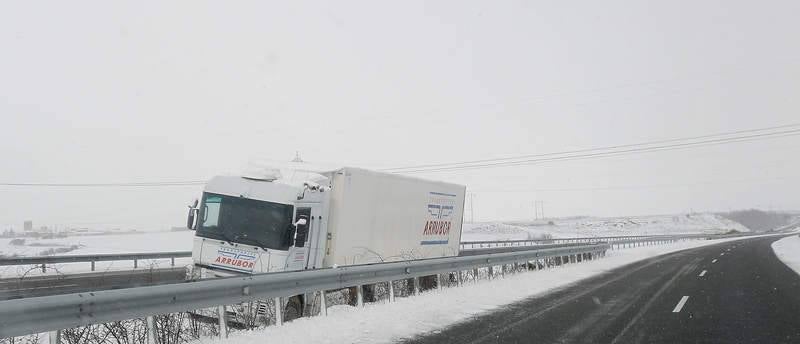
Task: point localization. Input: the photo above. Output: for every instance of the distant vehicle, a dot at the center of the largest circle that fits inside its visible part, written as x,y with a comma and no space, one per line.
294,219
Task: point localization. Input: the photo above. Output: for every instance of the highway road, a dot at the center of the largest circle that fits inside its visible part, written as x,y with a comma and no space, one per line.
735,292
14,288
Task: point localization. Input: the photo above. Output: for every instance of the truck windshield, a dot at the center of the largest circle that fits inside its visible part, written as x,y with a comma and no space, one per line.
247,221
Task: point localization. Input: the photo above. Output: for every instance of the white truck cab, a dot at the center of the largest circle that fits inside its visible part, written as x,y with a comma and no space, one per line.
306,220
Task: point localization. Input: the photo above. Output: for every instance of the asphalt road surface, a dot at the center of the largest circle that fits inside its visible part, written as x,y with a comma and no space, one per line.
14,288
735,292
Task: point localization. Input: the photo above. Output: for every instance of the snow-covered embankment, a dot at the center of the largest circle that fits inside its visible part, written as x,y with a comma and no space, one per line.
788,251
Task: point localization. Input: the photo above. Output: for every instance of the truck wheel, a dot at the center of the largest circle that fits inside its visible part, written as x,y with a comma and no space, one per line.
427,283
294,308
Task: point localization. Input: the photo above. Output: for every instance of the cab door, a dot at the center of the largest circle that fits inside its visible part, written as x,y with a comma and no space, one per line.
299,251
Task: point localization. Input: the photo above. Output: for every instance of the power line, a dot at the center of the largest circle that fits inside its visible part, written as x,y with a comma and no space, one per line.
604,151
596,149
134,184
531,159
635,187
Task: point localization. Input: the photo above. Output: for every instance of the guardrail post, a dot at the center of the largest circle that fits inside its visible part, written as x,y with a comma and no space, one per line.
438,281
55,337
172,261
460,279
360,295
44,269
92,265
391,291
150,324
323,305
503,271
135,263
491,272
223,324
475,273
416,286
278,314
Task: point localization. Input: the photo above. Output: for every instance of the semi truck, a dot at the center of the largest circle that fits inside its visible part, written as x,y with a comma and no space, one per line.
297,218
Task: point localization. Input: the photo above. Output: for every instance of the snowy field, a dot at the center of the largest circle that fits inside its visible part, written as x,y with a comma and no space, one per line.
788,251
434,310
137,242
595,227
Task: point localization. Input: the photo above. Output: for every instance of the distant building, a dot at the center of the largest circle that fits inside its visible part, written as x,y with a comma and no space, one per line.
28,226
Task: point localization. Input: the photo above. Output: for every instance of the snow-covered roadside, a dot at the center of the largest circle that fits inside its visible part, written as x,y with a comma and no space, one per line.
99,244
437,309
788,251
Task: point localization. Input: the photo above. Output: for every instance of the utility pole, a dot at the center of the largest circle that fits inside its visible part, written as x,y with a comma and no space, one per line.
538,208
471,207
542,205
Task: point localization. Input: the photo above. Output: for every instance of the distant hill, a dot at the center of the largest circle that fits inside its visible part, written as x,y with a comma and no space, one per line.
759,220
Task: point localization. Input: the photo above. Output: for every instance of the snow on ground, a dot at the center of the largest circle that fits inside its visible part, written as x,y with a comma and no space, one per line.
389,322
788,251
594,226
134,242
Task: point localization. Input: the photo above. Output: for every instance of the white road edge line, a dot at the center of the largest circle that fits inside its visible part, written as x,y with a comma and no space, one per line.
680,304
714,261
703,273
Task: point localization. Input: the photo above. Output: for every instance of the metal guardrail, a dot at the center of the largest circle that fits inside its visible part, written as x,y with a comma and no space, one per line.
93,258
615,241
52,313
467,245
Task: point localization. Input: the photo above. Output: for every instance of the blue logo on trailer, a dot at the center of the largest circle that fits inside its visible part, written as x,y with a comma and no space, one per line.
441,207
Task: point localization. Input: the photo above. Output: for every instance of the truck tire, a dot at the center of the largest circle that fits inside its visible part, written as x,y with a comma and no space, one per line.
293,308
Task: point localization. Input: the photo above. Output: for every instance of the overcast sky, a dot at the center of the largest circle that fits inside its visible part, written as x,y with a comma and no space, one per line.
128,91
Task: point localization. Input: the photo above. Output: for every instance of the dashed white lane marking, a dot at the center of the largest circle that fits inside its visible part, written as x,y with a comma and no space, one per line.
703,273
680,304
714,261
722,254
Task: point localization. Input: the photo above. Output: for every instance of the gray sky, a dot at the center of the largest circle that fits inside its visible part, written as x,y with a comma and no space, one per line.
149,91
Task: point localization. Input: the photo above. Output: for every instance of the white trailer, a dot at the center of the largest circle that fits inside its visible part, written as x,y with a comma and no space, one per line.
294,219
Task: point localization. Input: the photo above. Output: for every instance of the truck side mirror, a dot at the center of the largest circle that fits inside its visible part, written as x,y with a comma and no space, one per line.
190,221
